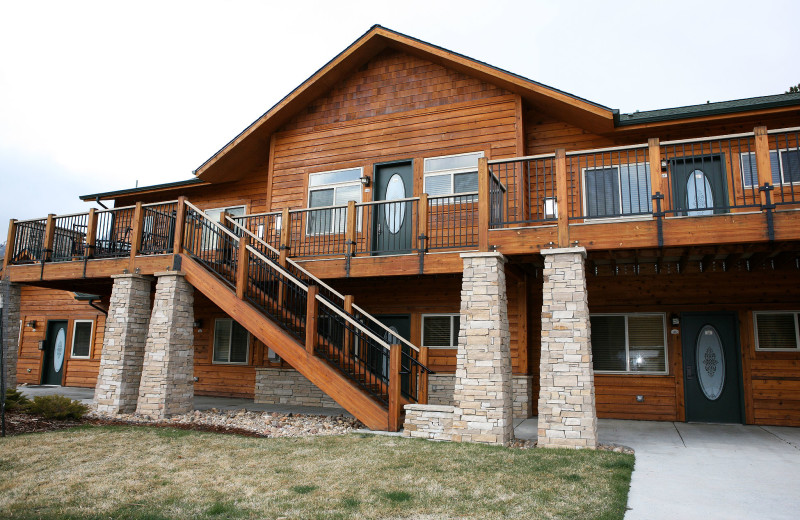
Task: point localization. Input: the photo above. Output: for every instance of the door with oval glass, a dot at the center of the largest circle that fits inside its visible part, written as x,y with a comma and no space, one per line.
55,349
711,368
392,222
699,185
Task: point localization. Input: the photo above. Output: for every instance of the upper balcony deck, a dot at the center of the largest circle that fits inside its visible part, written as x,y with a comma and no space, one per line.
716,191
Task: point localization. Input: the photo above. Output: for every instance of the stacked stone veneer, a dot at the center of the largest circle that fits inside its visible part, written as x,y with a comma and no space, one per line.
441,390
483,363
167,385
117,387
287,386
428,421
9,302
567,417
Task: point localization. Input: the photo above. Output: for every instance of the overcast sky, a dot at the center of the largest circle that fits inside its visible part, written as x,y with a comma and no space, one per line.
95,96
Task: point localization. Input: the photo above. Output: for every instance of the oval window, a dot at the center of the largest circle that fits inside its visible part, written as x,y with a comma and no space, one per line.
710,363
395,213
699,194
58,351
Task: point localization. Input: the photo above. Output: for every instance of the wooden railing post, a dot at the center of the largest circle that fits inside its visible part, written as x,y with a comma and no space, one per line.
242,268
180,223
562,197
395,407
657,178
762,160
49,237
422,219
136,237
350,229
348,336
423,377
312,310
12,236
91,233
483,204
286,236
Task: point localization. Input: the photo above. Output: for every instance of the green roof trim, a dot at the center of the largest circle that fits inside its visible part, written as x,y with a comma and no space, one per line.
710,109
131,191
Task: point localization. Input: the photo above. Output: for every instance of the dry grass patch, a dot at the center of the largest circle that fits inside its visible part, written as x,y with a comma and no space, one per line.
134,472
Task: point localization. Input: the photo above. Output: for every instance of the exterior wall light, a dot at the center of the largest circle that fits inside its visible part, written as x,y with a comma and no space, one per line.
365,181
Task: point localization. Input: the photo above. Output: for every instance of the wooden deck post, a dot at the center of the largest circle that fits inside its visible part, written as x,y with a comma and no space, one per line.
12,235
91,233
762,159
136,236
562,197
312,310
657,181
348,336
423,377
395,406
242,268
483,204
422,223
49,237
286,236
180,222
350,230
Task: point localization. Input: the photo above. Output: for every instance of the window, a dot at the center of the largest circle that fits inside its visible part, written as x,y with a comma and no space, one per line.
452,174
615,191
784,164
82,338
440,330
335,188
231,342
209,240
629,343
777,331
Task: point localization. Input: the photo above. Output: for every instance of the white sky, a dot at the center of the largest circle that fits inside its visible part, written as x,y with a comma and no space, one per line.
97,95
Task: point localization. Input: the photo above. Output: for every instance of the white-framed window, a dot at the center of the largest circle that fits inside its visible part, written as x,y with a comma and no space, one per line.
440,330
209,240
82,334
334,188
231,342
629,343
616,191
784,165
777,331
451,175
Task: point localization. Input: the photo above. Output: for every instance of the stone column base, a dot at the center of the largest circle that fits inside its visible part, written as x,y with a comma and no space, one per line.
288,386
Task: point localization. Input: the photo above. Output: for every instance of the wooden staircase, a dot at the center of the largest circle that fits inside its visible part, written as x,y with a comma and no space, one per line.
320,333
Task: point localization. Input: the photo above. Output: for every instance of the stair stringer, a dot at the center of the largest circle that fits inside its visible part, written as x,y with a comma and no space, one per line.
319,372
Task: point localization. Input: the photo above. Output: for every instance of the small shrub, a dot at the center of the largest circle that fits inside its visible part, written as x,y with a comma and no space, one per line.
57,407
15,401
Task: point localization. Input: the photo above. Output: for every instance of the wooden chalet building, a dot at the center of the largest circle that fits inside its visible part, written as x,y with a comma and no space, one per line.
413,227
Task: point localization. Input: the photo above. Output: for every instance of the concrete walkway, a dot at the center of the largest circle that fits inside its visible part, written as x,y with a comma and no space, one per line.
683,471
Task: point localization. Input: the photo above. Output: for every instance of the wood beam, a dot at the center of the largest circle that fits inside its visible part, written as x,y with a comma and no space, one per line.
49,237
12,235
136,235
180,220
242,268
483,204
561,197
657,182
312,310
395,405
91,233
762,159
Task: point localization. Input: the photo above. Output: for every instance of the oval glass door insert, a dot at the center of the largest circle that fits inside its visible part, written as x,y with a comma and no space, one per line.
58,351
710,363
395,213
699,194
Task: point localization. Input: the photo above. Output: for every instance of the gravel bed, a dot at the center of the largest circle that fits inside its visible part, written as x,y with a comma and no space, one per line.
262,424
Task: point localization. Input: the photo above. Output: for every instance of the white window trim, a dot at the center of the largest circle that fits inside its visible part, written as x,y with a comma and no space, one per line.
452,173
628,371
780,168
796,331
208,247
334,186
91,340
214,346
632,216
451,315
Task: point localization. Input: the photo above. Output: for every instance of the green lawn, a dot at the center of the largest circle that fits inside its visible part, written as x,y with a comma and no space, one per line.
135,472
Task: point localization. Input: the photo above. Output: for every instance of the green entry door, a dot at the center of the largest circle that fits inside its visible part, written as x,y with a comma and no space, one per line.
699,185
55,349
392,223
712,378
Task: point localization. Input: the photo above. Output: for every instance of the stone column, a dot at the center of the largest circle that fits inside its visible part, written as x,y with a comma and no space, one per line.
483,364
123,344
9,302
567,417
167,386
